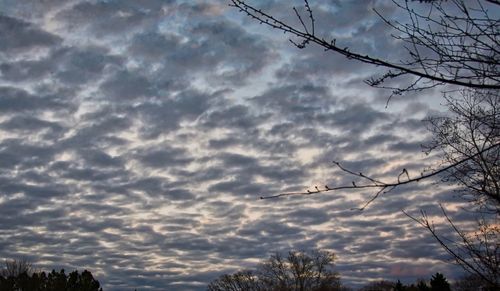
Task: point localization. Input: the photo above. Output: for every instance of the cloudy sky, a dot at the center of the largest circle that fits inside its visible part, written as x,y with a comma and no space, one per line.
136,138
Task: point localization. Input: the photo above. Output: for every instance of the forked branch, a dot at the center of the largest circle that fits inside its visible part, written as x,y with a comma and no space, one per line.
381,187
477,254
462,55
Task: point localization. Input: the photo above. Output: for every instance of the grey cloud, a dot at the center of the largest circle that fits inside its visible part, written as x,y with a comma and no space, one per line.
150,185
410,147
80,66
127,85
166,114
261,229
155,46
67,64
303,101
18,35
227,52
100,159
98,129
232,44
319,65
30,124
237,116
164,158
223,142
34,191
415,126
357,118
309,216
224,209
206,175
379,139
425,247
24,155
161,189
87,173
114,17
237,160
238,187
24,70
19,100
13,213
177,194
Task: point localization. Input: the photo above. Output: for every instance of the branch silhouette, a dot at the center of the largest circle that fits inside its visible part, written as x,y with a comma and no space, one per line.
372,183
476,255
466,55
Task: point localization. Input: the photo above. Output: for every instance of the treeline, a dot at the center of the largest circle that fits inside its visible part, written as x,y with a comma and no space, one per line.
295,271
438,282
314,271
19,275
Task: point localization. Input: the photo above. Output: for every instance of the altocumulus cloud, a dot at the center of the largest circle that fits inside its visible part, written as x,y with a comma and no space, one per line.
137,136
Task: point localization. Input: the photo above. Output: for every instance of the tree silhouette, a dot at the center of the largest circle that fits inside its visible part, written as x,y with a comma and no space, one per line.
471,283
422,286
399,286
242,280
439,283
472,126
53,281
16,267
378,286
298,271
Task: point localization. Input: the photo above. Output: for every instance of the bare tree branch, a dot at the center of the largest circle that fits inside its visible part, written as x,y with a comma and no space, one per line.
465,47
478,254
383,187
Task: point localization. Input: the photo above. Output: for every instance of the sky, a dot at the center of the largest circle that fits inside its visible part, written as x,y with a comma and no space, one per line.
136,138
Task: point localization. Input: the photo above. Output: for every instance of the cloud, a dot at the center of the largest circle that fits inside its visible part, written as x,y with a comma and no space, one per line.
136,140
106,19
19,100
20,36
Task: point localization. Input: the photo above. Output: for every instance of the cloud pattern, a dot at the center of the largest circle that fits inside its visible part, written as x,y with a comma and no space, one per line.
137,136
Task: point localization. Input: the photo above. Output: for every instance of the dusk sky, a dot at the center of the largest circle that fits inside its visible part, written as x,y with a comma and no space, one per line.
136,138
